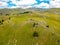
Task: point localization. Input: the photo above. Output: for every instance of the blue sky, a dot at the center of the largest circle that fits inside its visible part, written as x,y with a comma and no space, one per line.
29,3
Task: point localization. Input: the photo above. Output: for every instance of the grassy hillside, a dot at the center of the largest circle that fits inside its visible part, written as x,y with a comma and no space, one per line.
19,29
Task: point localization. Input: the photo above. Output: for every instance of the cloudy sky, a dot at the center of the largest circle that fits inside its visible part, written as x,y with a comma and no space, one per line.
29,3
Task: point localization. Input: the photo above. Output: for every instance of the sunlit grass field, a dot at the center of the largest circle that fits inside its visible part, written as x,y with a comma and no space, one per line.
18,30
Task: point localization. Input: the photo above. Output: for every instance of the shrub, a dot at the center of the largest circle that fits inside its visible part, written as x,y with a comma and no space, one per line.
34,25
2,20
47,26
35,34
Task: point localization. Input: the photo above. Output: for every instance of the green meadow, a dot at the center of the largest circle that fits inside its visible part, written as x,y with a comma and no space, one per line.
19,29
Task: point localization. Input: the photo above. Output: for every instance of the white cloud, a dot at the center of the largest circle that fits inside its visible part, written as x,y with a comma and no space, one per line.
26,7
42,5
3,3
44,0
23,7
19,4
4,0
55,4
24,2
27,4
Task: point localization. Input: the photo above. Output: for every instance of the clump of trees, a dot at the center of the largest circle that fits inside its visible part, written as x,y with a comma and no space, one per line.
47,26
35,24
25,12
1,22
7,14
35,34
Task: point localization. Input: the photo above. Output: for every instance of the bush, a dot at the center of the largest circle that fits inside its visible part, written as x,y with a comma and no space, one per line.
34,25
1,23
2,20
7,14
35,34
47,26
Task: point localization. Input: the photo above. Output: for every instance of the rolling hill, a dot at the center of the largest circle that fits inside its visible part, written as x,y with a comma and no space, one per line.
19,29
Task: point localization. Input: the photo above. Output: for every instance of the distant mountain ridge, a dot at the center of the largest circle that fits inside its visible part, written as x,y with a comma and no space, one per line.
19,10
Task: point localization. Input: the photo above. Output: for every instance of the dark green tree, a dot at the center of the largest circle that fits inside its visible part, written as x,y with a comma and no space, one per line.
34,25
35,34
47,26
7,14
2,20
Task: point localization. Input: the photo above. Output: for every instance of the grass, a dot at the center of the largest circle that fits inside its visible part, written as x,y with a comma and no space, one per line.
19,30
